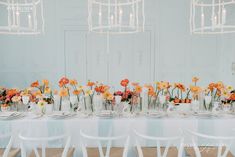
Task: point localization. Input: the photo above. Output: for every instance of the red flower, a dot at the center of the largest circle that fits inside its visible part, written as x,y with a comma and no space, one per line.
124,82
63,81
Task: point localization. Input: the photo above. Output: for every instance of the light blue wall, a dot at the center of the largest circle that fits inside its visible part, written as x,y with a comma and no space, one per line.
166,51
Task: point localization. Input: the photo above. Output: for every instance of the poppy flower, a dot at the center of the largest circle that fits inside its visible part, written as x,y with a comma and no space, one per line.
35,84
124,82
63,81
73,82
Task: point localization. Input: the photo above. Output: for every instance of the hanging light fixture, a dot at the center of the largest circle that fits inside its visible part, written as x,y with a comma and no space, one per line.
116,16
212,16
21,17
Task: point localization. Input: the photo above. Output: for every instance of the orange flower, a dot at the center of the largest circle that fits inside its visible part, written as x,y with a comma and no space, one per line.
124,82
90,84
219,85
180,87
73,82
195,79
35,84
76,92
63,81
11,92
211,86
195,89
101,89
63,92
138,89
151,93
45,82
232,97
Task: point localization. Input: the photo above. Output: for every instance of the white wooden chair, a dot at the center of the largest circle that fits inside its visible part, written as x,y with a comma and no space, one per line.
110,151
219,148
8,151
38,145
164,146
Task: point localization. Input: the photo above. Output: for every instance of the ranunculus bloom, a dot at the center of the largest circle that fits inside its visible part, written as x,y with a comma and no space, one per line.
35,84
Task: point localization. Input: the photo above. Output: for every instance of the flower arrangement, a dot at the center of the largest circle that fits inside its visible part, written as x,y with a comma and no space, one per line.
159,93
109,99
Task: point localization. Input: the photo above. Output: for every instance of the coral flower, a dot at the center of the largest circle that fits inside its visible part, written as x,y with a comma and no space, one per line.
11,92
35,84
73,82
63,92
63,81
124,82
76,92
45,82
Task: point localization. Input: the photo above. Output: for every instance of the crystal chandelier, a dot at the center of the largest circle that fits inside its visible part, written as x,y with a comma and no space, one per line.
212,16
21,17
116,16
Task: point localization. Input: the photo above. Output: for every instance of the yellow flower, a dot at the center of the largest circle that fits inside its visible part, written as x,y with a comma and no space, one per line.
108,96
230,88
47,90
89,92
41,104
45,82
80,88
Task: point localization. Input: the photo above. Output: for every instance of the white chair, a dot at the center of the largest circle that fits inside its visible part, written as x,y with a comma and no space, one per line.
8,151
110,152
220,146
164,146
38,145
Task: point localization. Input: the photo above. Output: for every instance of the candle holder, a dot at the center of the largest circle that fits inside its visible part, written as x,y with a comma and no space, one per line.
116,16
22,17
212,16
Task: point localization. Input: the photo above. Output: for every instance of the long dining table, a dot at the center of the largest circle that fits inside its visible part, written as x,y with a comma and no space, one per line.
166,126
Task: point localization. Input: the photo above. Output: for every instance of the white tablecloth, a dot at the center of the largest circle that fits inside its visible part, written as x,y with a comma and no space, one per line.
117,126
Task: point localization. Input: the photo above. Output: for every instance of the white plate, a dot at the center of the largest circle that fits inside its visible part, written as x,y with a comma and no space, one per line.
12,116
155,114
105,114
61,115
204,114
